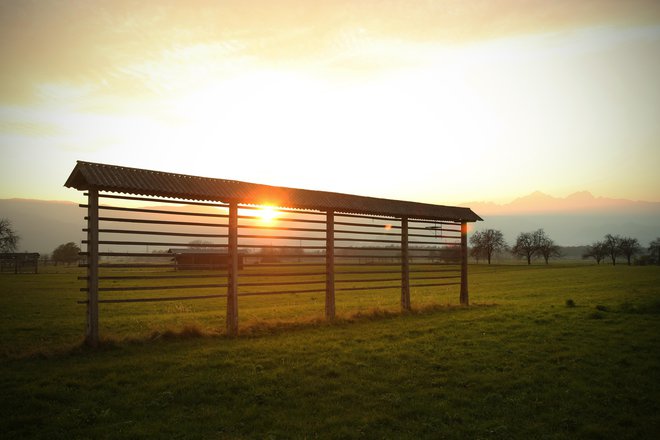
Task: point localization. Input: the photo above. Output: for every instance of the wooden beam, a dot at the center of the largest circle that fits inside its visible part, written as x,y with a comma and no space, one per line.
330,266
92,332
232,289
405,266
464,298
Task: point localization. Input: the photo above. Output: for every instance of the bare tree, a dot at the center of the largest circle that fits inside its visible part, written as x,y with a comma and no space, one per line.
629,247
526,246
654,250
597,250
8,238
486,243
612,246
546,247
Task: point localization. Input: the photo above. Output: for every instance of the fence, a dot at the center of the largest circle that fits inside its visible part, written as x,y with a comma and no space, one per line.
250,249
19,262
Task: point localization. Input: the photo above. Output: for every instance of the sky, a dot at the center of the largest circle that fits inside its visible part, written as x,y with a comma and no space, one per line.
432,101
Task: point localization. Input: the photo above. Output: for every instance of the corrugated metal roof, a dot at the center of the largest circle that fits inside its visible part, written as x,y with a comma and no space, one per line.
113,178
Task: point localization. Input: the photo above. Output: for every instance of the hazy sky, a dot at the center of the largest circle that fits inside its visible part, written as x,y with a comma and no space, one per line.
435,101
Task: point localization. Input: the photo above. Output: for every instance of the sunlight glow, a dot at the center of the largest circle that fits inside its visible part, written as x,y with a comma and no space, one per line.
459,108
267,215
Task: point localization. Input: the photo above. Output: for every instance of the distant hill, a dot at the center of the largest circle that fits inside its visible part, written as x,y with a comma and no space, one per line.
576,220
579,202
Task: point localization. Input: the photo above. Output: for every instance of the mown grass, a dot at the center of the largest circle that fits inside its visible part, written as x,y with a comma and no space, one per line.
518,363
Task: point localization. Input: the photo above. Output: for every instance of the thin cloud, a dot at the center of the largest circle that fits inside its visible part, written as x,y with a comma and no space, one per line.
78,42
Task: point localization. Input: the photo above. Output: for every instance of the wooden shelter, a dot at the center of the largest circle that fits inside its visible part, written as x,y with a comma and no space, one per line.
313,225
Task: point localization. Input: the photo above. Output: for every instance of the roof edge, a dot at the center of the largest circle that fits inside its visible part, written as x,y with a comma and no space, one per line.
145,182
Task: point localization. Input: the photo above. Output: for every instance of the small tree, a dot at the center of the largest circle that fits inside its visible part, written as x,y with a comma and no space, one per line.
597,250
629,247
546,247
66,253
8,238
654,250
526,246
486,243
612,247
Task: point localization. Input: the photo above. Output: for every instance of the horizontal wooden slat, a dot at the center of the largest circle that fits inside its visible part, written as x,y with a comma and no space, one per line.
375,280
154,277
366,240
160,233
282,228
435,284
348,289
159,222
159,299
159,211
282,237
160,243
282,274
139,288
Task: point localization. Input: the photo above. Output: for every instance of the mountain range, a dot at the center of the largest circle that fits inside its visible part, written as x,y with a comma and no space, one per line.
576,203
578,219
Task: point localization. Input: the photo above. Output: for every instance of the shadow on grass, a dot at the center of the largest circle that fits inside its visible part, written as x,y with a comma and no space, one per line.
253,329
265,328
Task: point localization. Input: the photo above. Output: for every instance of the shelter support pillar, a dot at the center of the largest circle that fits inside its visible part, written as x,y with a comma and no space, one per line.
464,265
330,266
405,266
232,289
92,331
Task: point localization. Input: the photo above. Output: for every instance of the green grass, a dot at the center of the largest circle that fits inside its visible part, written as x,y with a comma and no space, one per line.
518,363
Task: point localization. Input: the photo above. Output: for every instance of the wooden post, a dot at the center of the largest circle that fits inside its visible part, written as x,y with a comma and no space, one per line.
92,333
405,266
232,289
330,266
464,266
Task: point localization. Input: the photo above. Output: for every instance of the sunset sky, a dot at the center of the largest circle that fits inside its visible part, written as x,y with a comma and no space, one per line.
434,101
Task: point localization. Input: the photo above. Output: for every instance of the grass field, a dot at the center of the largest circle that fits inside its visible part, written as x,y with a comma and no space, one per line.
518,363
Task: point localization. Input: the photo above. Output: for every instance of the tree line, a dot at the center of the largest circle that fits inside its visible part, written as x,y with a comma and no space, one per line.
613,246
484,245
537,244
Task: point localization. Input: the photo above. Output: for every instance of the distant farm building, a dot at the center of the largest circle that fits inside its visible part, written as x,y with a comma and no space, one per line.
19,262
202,259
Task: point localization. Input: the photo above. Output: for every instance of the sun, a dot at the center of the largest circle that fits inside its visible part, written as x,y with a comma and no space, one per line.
267,214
